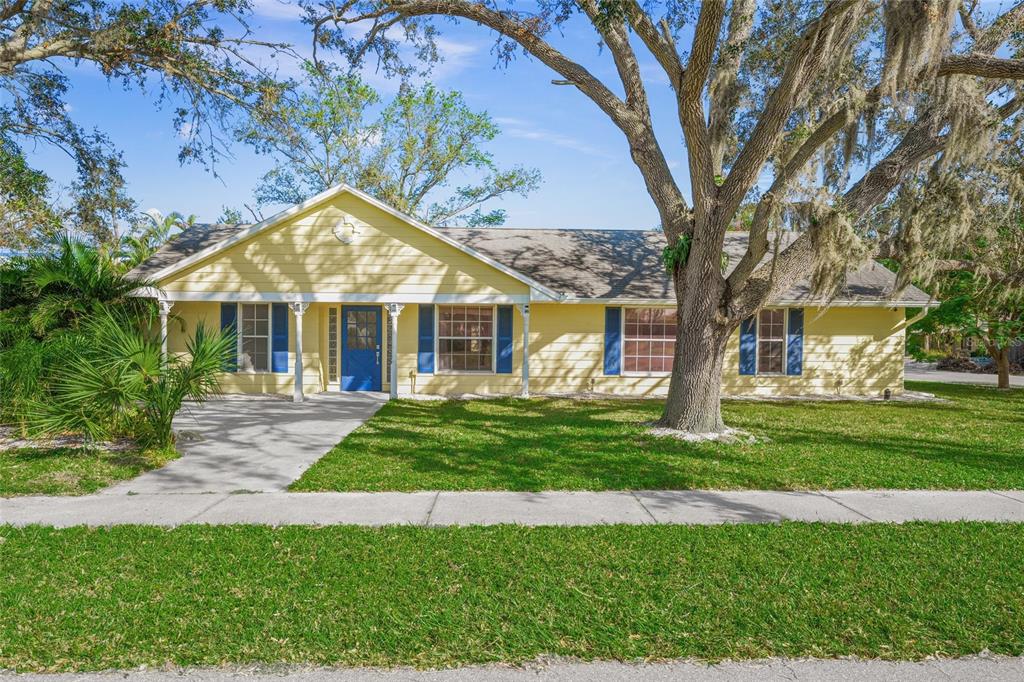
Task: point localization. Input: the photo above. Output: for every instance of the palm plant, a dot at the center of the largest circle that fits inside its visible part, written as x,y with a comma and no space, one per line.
118,382
74,282
149,236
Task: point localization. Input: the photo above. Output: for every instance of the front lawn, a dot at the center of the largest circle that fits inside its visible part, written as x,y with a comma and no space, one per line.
974,441
81,599
72,471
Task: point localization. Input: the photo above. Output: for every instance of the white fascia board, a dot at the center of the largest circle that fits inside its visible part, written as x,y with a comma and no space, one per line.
281,216
341,297
792,303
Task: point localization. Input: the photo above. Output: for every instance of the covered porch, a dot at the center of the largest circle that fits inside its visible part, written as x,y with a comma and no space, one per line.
309,343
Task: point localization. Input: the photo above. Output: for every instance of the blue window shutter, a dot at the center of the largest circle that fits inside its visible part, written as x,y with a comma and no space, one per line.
748,346
612,341
425,356
229,325
795,342
279,337
504,363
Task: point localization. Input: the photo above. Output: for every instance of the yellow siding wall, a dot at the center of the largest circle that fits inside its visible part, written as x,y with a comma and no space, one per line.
409,381
388,256
192,314
853,351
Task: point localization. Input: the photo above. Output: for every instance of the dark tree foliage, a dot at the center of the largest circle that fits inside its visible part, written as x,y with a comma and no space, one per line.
197,57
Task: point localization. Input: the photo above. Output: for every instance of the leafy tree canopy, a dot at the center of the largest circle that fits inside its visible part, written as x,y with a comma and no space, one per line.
333,128
198,55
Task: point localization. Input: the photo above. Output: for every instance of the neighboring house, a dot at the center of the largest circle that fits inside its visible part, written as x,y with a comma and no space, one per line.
373,300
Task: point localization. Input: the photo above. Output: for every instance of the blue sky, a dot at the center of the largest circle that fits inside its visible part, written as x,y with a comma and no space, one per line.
589,179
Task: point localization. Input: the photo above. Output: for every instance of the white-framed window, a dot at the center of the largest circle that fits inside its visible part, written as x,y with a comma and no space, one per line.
771,341
332,344
465,338
649,340
254,340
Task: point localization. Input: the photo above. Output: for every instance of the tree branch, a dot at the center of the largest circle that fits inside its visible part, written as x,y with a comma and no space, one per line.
723,93
805,58
660,44
644,147
982,65
691,109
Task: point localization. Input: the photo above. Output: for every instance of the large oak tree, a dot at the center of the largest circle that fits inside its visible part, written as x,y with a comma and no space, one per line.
814,111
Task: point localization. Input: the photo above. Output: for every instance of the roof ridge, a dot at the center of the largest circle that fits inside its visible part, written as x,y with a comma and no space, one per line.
500,228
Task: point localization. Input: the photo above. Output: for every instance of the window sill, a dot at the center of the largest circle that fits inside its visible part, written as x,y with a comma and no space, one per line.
646,374
469,372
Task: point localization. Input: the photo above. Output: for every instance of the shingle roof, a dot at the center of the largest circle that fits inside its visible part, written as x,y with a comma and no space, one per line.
628,264
621,264
189,241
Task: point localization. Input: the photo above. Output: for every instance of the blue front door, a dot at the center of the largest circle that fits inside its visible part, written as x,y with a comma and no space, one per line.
360,348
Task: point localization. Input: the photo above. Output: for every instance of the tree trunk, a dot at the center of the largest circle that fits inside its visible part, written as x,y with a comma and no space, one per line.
1002,359
694,394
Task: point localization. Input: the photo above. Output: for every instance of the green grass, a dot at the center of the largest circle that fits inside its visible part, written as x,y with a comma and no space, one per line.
72,471
973,441
200,595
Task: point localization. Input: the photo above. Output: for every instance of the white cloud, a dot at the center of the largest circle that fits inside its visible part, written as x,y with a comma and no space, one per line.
456,55
524,130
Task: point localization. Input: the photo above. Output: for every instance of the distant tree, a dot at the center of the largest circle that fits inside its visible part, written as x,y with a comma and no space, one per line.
982,290
229,215
327,130
149,233
26,215
826,104
198,54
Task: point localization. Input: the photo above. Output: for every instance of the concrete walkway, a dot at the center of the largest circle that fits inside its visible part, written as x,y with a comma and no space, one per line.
531,509
770,670
258,444
925,371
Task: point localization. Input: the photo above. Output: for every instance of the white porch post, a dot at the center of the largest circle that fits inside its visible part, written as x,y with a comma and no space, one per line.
524,309
394,310
165,310
299,309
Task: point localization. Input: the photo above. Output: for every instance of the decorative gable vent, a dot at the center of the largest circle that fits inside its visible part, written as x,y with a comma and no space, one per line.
346,230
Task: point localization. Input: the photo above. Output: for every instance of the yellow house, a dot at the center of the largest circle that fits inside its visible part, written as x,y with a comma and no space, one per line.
342,292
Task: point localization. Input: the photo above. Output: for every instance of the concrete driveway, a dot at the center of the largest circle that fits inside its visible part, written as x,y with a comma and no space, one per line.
257,444
925,371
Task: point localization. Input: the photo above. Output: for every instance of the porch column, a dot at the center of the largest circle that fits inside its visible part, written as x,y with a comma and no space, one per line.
524,309
299,309
165,310
394,310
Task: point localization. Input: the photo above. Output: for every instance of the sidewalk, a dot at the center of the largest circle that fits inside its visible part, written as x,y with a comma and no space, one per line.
842,670
696,507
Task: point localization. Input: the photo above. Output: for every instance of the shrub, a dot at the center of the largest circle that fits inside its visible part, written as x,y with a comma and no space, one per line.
922,355
958,363
116,383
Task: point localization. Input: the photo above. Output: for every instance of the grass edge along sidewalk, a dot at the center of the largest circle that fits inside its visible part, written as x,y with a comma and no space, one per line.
971,441
81,599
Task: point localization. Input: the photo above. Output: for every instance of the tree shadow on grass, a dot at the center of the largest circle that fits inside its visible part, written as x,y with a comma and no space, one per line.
543,444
